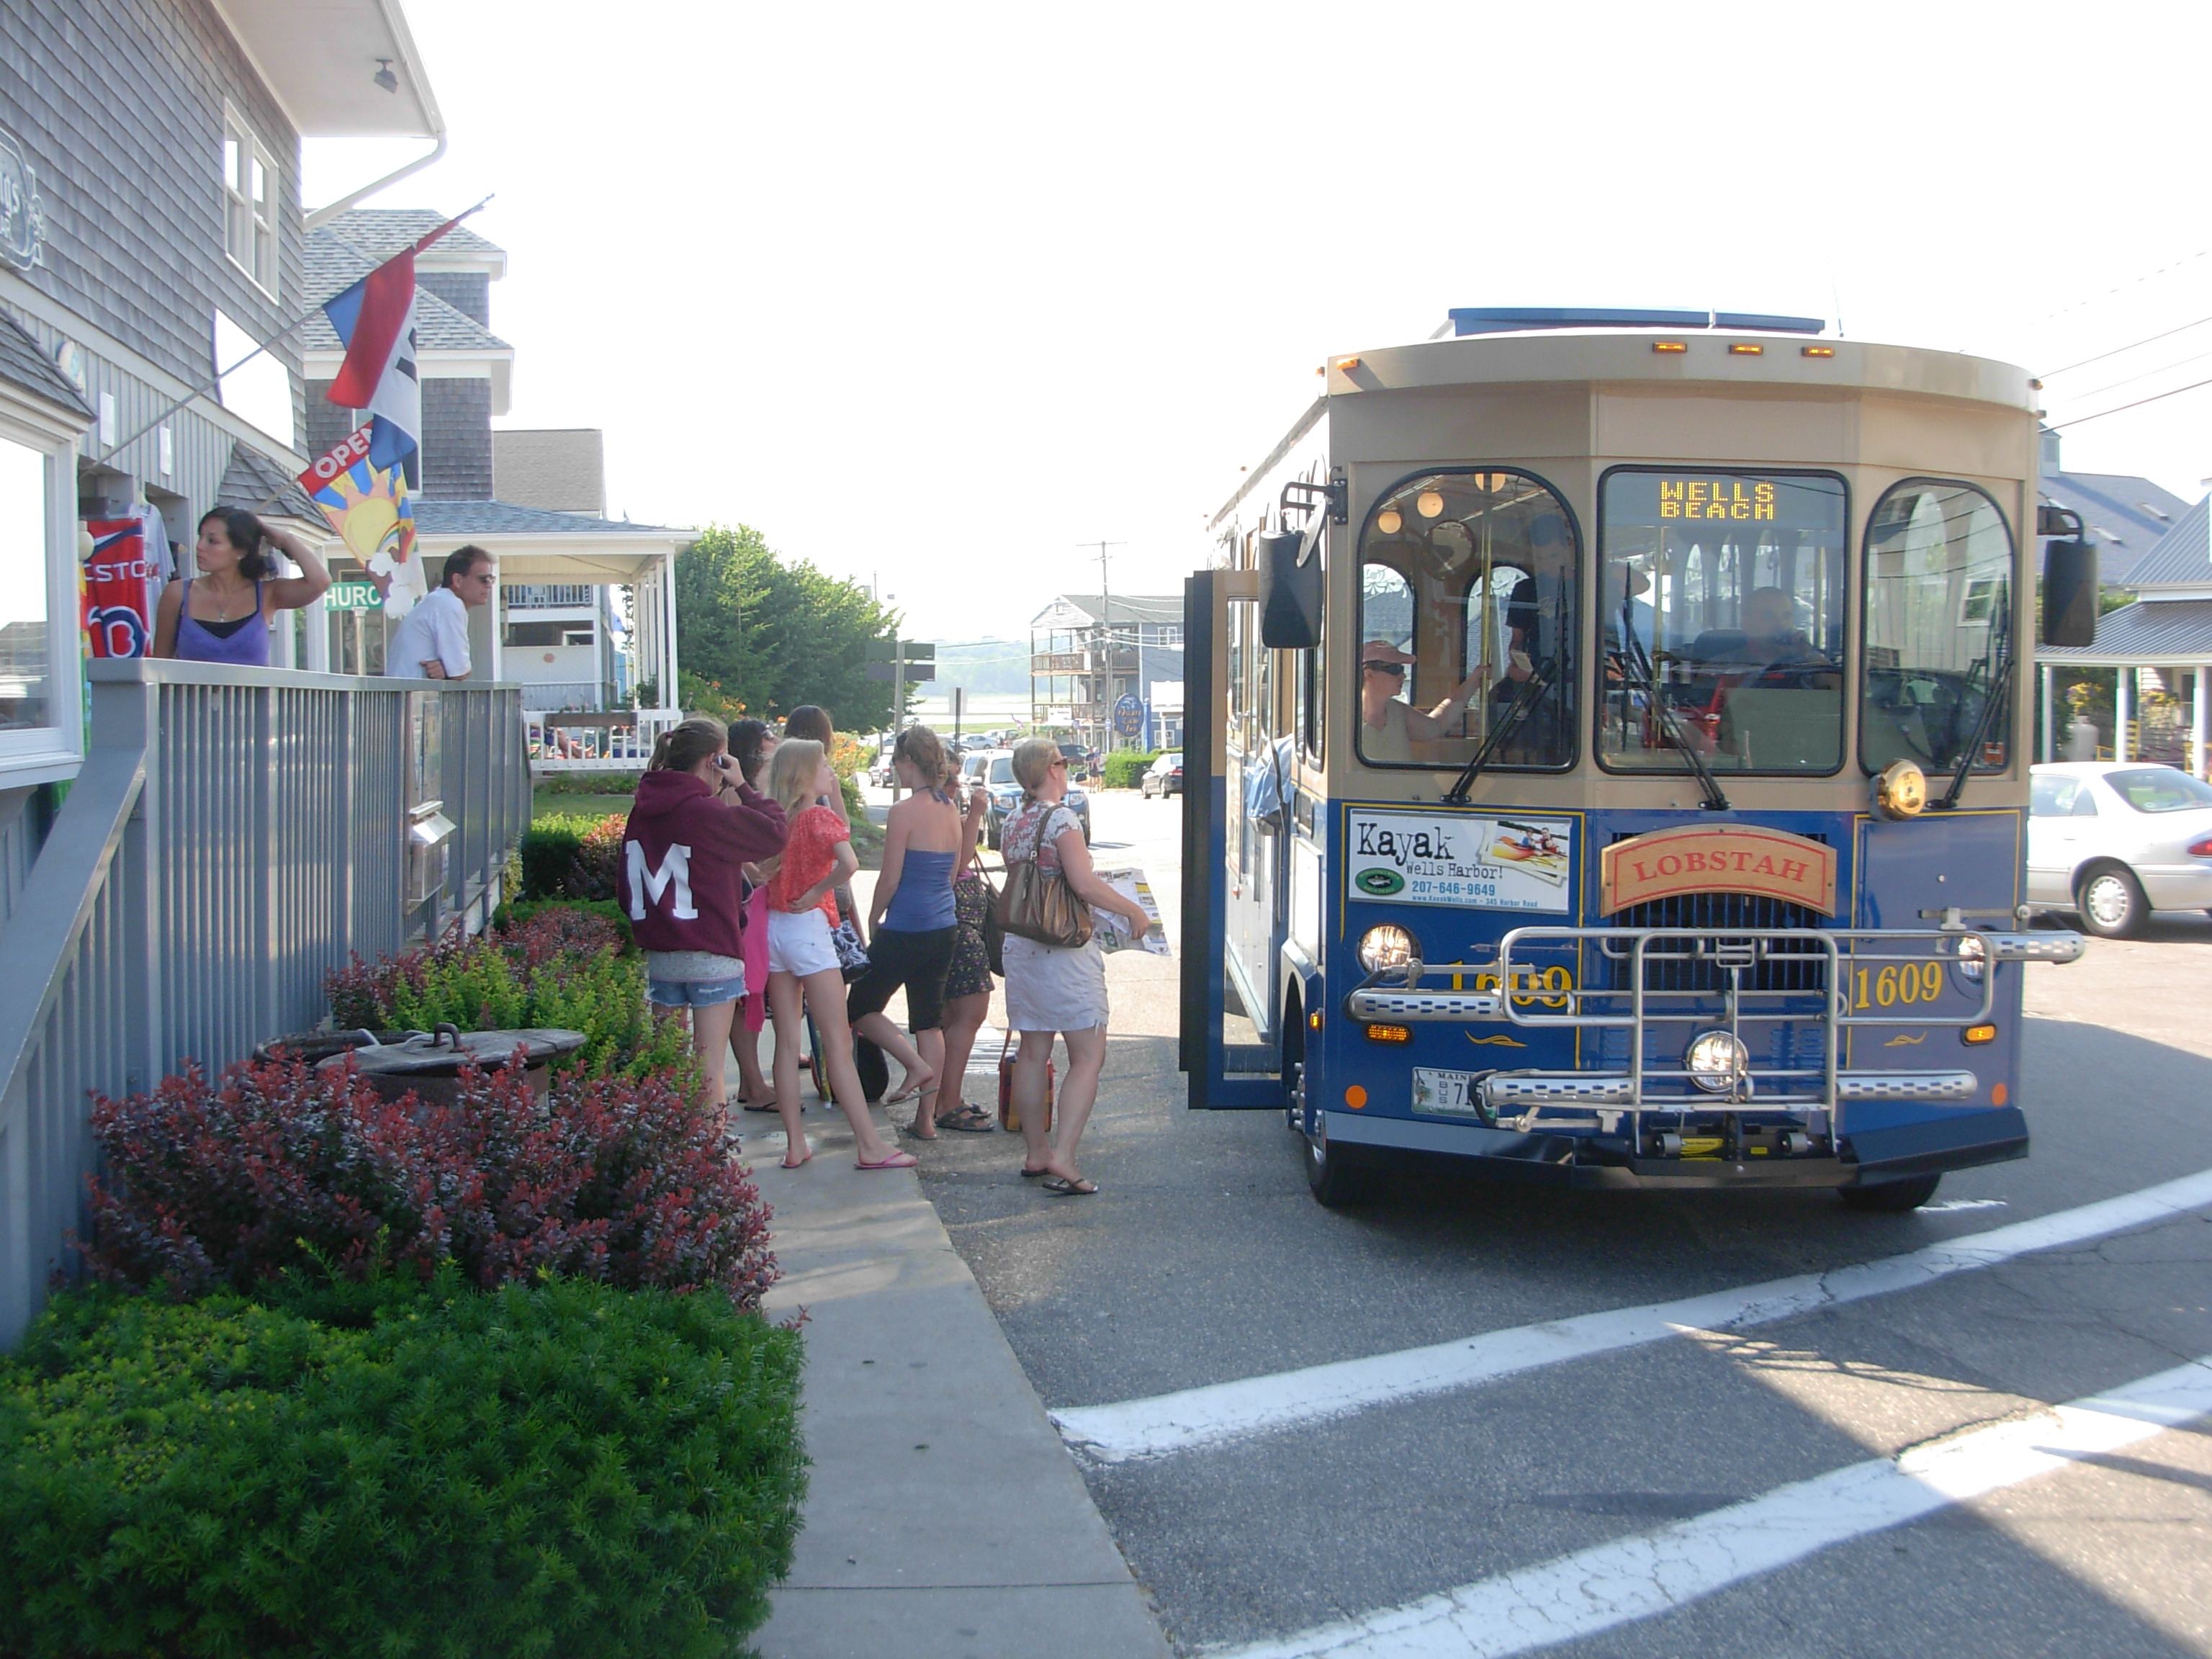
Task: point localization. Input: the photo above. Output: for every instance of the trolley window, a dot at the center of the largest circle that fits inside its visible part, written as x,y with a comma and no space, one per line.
1723,626
1938,622
1466,617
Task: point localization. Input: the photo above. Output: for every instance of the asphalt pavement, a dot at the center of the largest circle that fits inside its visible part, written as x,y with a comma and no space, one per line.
1203,1260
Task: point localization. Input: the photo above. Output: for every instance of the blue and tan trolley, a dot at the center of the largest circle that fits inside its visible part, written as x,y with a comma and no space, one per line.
1607,760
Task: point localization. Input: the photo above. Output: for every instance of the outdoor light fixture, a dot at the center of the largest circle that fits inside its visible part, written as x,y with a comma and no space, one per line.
1901,790
385,77
1389,521
1718,1062
1390,949
1429,504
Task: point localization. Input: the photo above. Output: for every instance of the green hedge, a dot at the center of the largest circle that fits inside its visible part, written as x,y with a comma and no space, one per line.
564,1469
1124,768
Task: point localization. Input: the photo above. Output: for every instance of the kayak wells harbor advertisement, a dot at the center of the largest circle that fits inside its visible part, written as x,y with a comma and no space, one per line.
1507,862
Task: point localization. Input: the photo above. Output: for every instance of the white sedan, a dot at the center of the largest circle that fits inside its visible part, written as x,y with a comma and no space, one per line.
2117,839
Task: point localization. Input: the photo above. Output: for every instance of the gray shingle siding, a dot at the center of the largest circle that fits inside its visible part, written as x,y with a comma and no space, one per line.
456,439
325,422
118,104
468,292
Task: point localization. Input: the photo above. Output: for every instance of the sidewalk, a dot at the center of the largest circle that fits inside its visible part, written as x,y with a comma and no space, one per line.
944,1516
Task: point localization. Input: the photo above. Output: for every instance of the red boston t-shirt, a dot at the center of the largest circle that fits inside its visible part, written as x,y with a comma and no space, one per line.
807,857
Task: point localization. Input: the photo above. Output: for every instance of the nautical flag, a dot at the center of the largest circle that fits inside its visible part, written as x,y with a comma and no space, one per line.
375,319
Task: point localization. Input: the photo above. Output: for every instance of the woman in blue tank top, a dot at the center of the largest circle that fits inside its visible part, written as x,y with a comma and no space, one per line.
222,615
910,926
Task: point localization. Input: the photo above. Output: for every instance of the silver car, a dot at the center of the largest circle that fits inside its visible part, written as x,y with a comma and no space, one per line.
2117,839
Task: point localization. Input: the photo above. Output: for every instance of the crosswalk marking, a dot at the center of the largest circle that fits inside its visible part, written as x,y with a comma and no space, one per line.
1638,1577
1193,1419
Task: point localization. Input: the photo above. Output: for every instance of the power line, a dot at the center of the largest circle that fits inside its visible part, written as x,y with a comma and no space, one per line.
2053,374
2129,380
2135,282
2083,419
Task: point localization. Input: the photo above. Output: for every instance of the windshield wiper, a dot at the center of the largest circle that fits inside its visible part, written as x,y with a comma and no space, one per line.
2000,679
1633,653
1524,699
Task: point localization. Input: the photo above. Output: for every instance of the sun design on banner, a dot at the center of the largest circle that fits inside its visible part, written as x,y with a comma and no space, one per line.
370,511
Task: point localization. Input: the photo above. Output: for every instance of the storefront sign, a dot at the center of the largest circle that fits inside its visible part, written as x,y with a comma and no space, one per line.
1445,858
353,596
1719,859
22,215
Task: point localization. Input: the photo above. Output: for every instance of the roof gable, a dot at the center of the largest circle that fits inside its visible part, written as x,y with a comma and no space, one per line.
2182,558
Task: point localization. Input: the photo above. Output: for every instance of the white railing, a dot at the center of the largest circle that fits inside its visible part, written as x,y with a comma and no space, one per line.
233,834
557,596
565,697
617,740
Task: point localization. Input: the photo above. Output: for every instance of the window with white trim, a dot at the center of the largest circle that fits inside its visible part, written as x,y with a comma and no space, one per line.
250,184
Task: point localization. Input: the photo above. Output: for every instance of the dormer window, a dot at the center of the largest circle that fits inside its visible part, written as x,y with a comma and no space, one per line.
249,186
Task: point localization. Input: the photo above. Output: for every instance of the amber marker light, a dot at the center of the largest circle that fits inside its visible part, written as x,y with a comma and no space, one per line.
1979,1034
1313,1020
1817,351
1670,345
1389,1034
1745,349
1346,365
1355,1096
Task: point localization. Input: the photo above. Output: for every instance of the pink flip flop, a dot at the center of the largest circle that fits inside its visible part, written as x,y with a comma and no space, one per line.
895,1161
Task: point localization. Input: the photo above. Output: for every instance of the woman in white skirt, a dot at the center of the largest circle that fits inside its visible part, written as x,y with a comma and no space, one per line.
1054,990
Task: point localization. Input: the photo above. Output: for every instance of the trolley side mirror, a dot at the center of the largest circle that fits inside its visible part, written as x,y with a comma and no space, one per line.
2070,592
1290,589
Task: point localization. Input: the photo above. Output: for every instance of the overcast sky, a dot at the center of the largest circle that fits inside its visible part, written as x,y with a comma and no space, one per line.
941,292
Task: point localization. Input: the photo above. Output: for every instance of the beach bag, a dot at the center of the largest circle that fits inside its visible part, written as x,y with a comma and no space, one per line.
1038,904
845,940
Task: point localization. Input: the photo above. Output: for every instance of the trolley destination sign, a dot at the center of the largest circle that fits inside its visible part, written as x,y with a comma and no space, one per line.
1445,858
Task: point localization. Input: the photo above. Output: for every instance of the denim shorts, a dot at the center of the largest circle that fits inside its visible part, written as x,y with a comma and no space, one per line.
694,992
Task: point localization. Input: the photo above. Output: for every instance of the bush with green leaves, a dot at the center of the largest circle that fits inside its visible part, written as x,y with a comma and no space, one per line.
572,855
1125,767
562,1468
566,966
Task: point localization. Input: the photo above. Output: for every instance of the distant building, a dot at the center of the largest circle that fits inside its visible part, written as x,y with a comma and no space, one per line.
563,625
2125,516
1087,651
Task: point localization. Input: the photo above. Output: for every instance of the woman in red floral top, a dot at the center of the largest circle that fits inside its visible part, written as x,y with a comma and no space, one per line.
802,964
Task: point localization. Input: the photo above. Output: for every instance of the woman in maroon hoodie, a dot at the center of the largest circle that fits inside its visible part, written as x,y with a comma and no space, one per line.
694,821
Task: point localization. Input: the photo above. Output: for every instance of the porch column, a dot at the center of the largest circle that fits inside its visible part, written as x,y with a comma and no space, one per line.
2122,707
2200,711
498,629
2049,719
316,623
669,698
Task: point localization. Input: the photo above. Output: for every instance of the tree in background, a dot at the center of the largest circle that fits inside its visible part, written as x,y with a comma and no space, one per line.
768,636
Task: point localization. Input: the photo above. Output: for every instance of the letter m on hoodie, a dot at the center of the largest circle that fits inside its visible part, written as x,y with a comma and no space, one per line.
646,886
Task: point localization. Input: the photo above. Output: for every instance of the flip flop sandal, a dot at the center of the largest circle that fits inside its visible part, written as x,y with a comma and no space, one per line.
1062,1187
1031,1175
970,1120
895,1161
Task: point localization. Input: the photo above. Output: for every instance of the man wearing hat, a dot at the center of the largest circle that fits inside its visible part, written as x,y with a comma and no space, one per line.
1389,725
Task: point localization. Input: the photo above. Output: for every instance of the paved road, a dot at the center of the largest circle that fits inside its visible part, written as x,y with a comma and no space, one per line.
1204,1262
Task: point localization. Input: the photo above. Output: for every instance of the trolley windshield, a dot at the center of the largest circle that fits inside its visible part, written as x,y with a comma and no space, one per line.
1466,620
1938,606
1722,619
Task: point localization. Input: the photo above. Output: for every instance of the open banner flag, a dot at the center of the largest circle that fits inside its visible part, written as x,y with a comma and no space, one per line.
366,504
375,319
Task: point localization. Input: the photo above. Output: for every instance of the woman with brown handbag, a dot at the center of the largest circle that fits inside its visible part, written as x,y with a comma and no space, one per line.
1055,972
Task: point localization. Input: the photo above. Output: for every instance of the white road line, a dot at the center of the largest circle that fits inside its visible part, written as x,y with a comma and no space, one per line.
1655,1572
1193,1419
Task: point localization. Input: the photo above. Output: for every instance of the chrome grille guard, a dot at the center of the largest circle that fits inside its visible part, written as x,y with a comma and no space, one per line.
1845,978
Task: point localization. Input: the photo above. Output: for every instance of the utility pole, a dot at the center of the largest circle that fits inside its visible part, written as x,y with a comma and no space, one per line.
1106,627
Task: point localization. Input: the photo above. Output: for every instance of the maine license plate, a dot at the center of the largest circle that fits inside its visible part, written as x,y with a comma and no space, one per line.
1450,1094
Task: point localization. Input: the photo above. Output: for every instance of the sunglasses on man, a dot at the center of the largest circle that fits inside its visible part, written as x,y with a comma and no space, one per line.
1396,671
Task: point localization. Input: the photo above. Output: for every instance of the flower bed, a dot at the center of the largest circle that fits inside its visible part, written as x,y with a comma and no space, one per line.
562,965
397,1467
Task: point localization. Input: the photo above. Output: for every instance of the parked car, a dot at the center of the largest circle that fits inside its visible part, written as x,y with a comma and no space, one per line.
994,769
1163,776
2116,841
1080,761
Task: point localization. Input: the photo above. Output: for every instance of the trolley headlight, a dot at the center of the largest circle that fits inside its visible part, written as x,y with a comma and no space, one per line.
1717,1061
1901,790
1973,959
1390,949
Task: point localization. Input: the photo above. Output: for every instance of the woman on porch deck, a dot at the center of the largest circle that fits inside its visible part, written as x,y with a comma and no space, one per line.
222,615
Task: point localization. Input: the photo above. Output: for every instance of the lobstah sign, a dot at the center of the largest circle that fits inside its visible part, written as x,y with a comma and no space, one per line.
1721,858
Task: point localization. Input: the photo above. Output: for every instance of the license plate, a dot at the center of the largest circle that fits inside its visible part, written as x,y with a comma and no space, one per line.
1450,1094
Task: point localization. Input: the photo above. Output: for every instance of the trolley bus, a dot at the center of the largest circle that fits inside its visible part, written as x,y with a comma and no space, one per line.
1606,759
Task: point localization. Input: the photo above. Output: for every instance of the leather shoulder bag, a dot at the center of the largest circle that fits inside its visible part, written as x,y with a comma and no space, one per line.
1037,904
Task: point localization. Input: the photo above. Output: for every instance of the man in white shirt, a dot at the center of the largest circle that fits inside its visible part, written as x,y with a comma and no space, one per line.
432,640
